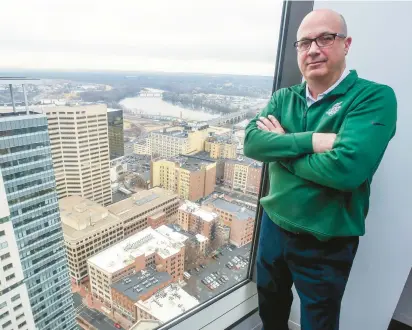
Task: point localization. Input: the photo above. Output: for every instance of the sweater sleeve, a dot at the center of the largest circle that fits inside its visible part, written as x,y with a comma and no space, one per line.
268,146
359,145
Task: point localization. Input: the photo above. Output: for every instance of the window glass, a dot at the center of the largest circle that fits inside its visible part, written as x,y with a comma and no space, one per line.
150,103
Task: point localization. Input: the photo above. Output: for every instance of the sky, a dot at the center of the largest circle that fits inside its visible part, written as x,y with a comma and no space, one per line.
207,36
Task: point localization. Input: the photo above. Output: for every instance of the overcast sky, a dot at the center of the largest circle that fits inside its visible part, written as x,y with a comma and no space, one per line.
210,36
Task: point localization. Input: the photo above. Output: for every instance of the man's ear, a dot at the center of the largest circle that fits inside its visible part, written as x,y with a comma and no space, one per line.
348,42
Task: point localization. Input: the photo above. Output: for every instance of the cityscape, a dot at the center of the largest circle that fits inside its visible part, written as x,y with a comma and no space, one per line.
123,205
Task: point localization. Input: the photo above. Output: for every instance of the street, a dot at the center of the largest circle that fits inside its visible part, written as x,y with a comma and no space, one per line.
95,318
197,289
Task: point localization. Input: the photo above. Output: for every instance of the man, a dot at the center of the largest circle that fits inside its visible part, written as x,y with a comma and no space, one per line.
323,140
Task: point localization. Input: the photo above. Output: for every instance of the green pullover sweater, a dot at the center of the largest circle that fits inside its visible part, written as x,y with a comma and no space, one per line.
324,194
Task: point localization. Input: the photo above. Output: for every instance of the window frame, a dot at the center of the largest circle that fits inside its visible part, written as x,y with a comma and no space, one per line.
238,302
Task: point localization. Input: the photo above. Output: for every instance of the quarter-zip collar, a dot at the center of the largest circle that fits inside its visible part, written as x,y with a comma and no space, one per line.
342,88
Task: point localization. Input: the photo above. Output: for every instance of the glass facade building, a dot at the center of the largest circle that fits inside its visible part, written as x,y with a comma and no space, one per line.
27,171
115,124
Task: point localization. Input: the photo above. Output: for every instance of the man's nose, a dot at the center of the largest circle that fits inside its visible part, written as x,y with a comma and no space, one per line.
314,48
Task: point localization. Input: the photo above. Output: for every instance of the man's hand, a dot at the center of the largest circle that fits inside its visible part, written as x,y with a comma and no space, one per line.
323,142
270,124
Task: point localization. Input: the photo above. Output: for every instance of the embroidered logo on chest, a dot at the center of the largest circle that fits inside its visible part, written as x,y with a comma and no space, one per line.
336,107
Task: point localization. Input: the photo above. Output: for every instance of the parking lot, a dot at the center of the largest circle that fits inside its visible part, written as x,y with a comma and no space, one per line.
199,290
92,316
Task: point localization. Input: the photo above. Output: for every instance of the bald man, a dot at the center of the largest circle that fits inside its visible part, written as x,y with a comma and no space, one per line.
323,141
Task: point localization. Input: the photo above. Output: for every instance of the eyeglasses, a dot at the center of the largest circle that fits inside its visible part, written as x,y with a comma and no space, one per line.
322,41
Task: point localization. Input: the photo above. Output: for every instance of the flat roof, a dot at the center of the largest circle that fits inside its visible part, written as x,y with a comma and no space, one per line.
124,253
145,325
242,213
245,161
196,210
172,234
142,282
81,217
191,163
140,202
168,303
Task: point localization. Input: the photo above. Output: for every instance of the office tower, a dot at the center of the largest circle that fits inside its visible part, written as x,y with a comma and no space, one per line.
15,307
27,173
191,178
115,124
90,228
80,151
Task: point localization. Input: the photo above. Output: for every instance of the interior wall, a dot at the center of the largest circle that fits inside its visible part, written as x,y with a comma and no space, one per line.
381,51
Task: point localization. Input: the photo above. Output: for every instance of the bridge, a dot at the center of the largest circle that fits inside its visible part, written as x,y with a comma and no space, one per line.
230,118
141,114
150,94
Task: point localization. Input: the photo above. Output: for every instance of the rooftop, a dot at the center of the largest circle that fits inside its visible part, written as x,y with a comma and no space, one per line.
145,325
191,163
168,303
124,253
172,234
196,210
175,134
242,213
141,283
140,202
245,161
81,217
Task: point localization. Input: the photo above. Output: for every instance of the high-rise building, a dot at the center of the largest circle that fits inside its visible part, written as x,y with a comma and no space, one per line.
80,151
189,177
116,136
29,182
15,307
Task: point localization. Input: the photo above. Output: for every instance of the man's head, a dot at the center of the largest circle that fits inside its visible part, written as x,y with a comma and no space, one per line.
327,61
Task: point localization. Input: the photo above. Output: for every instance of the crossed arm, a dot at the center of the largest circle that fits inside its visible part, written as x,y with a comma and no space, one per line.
345,160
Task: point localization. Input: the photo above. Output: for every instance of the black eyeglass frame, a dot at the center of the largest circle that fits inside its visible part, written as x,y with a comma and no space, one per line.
339,35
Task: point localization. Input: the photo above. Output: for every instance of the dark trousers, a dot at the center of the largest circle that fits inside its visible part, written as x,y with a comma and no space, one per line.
319,270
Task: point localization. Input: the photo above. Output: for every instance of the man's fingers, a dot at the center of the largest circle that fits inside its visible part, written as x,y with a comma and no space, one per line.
267,123
276,123
262,126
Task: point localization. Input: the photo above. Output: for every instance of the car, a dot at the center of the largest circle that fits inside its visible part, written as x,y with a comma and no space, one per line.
186,275
203,266
197,269
117,326
221,253
229,249
225,277
230,264
220,281
213,276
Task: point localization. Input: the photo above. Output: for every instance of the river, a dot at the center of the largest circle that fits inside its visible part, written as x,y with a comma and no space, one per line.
156,106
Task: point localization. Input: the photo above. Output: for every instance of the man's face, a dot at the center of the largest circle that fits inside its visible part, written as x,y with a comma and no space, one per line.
322,62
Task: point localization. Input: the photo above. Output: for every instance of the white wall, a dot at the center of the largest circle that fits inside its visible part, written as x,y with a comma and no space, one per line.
381,51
